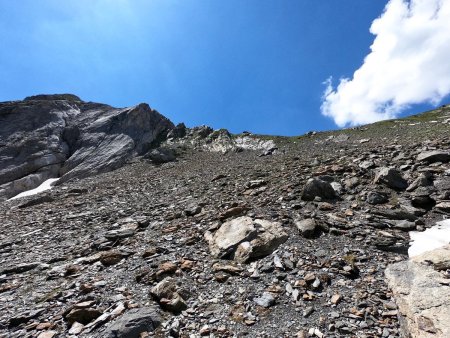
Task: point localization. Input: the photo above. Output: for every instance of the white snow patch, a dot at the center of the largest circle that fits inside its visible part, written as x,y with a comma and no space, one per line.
430,239
46,185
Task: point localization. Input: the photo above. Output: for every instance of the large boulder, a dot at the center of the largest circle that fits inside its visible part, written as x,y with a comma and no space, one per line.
48,136
391,177
315,187
169,295
422,294
307,227
244,239
434,156
161,155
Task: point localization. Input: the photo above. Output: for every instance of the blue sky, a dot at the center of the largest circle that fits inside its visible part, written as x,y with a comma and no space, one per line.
254,65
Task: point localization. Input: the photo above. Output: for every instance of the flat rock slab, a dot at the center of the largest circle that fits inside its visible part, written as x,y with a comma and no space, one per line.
422,294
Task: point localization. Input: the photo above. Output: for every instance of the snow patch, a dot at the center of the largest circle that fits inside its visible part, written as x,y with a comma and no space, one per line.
46,185
430,239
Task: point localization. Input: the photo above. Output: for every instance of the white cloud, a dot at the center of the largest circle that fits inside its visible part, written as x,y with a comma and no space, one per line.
409,63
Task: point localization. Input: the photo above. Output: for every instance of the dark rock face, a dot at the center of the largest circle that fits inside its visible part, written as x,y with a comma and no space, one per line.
48,136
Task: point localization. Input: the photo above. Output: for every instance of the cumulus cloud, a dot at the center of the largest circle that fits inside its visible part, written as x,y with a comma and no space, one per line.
409,63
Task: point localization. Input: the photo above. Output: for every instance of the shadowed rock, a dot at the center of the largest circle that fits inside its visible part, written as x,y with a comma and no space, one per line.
134,323
317,188
392,178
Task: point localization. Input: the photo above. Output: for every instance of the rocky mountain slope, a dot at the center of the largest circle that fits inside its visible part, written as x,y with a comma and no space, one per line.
203,233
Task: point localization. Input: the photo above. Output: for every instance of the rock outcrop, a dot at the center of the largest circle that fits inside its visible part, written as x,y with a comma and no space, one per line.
422,293
48,136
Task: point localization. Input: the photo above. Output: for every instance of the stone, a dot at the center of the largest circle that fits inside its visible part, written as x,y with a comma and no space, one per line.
405,225
244,239
434,156
439,258
44,326
337,187
366,164
352,182
192,209
22,318
423,300
317,188
444,206
167,294
307,227
47,334
391,178
82,315
134,322
375,197
76,328
266,300
395,214
19,268
335,299
112,257
114,235
232,212
161,155
230,234
442,184
308,311
423,180
187,264
231,269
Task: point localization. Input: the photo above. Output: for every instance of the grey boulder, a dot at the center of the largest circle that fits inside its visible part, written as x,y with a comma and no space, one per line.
266,300
161,155
317,188
133,323
307,227
375,197
434,156
169,295
391,178
244,239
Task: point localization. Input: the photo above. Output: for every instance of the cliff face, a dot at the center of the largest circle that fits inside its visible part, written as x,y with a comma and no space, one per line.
49,136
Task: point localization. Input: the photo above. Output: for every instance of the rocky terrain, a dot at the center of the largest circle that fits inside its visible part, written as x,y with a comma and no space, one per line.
200,233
